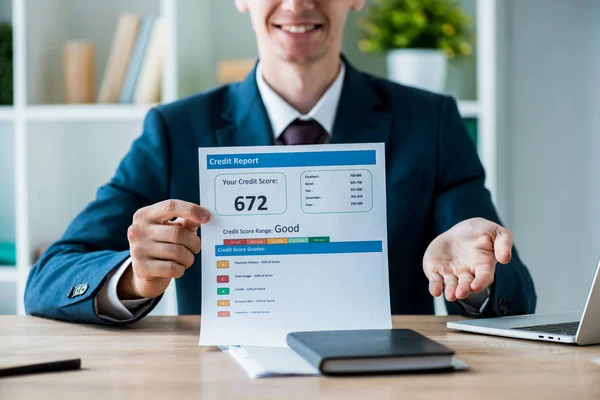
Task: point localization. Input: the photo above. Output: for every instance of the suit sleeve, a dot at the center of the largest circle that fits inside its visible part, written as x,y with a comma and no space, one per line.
64,283
460,195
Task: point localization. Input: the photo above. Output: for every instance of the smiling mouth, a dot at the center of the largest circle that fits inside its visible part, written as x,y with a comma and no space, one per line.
299,28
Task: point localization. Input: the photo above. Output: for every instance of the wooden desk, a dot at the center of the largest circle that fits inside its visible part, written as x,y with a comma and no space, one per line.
159,358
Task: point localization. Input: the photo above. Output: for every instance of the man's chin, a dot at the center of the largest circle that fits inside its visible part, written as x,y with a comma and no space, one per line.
301,58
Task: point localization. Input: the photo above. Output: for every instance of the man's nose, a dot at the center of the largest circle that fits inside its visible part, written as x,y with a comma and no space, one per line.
296,6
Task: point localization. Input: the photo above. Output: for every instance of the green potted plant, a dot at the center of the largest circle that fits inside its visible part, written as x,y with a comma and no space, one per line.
419,37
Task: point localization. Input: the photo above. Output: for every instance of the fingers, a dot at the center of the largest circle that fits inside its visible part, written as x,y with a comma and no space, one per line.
503,244
163,241
175,234
436,284
450,283
484,277
464,285
461,287
152,268
167,210
185,224
162,251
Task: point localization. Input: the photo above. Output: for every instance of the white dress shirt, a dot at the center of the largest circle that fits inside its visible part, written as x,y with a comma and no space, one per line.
108,304
281,114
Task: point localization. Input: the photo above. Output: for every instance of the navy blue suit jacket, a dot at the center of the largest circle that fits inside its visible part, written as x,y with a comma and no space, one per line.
434,180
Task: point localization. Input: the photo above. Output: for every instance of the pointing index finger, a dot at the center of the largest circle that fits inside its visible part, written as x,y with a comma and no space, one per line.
169,209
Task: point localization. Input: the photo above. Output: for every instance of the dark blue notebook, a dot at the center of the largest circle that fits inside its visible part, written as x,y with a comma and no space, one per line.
370,351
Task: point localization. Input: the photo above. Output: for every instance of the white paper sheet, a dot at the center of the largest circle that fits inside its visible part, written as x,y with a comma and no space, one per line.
263,362
297,242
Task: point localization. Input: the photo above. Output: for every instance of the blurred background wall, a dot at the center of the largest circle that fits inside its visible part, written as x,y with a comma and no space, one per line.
551,135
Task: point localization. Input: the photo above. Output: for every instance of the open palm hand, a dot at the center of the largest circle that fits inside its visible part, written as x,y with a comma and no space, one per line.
463,259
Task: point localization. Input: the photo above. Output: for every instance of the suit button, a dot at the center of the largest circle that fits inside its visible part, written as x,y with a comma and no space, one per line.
503,305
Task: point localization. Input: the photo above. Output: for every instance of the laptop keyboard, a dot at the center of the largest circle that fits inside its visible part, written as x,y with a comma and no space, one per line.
565,328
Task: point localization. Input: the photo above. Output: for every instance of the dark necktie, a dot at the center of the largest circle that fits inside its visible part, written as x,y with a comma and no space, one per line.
303,132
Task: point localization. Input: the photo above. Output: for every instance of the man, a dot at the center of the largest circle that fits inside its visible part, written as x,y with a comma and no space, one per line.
119,255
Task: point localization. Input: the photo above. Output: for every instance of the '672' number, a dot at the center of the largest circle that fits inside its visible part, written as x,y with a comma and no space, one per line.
242,201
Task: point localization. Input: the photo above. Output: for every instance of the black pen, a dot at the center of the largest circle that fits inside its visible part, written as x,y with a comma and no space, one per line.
54,366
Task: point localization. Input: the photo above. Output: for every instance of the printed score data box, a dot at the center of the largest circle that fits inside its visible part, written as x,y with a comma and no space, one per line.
336,191
250,194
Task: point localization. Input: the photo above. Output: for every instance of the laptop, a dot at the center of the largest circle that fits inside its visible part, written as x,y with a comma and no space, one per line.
568,327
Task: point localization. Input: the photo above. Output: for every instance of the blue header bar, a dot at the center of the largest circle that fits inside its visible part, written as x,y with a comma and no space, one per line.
279,160
375,246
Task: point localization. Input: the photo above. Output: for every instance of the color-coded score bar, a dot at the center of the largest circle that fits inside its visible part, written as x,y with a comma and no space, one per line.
292,240
257,241
277,241
234,242
298,240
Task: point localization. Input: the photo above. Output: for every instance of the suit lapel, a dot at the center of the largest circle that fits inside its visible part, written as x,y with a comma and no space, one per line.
360,116
246,119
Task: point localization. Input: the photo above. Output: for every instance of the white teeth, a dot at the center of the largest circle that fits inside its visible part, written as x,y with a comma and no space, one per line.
298,28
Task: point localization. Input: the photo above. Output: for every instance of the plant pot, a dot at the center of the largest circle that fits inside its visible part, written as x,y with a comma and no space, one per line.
422,68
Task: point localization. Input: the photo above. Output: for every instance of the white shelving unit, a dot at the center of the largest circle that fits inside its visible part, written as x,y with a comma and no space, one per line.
8,274
487,80
7,113
77,113
469,108
62,153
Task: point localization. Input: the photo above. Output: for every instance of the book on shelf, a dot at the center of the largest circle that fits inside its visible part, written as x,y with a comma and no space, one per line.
148,86
234,70
8,254
120,53
79,72
137,58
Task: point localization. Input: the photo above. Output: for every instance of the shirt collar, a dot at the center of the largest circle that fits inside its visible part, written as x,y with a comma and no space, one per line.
281,114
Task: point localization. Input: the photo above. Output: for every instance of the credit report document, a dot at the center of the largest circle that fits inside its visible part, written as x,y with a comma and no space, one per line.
297,242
